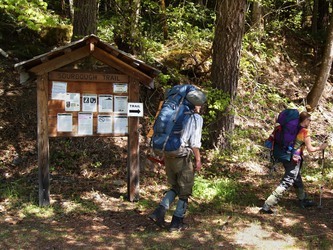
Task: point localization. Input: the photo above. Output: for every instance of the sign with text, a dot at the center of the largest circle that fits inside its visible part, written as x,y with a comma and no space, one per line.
135,109
87,77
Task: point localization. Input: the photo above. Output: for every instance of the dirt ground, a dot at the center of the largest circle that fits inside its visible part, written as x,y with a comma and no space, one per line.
89,206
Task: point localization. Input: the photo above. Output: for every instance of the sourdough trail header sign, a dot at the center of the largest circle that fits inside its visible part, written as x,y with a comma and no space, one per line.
76,100
74,76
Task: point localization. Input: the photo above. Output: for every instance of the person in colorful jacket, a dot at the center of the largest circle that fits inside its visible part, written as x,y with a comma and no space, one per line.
292,175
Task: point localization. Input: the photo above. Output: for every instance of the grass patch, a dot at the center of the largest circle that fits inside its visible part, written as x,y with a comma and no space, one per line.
31,210
215,193
209,190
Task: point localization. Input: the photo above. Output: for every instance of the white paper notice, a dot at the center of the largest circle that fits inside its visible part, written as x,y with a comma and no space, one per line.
105,103
104,124
120,125
59,90
72,102
64,122
120,88
85,123
89,102
120,104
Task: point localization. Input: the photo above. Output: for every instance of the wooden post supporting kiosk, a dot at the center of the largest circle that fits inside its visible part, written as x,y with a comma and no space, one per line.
77,99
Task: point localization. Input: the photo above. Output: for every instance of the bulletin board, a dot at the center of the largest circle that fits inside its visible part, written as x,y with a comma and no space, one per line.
87,104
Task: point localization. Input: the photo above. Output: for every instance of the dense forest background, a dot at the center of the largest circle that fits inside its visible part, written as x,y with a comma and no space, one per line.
252,58
167,34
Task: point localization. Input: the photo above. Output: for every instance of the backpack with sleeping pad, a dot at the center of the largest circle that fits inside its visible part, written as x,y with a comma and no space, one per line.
176,110
281,141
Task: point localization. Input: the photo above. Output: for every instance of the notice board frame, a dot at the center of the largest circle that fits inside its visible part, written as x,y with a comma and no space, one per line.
44,131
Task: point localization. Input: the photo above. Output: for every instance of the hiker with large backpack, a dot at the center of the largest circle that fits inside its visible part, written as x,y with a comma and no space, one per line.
177,138
290,137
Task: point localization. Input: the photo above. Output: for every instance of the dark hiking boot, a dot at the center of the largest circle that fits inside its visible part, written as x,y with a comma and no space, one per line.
177,224
158,216
307,203
266,211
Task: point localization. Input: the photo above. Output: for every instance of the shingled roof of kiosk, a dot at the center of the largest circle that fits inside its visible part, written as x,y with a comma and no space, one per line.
88,46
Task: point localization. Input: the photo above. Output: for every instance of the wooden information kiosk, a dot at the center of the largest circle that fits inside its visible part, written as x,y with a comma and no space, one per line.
74,99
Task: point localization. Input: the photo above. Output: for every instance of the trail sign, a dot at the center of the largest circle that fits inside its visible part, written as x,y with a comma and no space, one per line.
135,109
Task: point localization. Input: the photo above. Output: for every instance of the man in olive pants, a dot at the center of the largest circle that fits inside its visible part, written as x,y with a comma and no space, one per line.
180,173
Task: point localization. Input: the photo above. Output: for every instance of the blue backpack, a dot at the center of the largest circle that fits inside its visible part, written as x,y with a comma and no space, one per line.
175,112
282,140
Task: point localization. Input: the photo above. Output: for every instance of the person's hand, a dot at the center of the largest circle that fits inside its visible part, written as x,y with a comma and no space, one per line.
198,165
323,146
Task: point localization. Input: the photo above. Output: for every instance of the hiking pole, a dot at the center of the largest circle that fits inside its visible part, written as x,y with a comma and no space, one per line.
322,174
273,167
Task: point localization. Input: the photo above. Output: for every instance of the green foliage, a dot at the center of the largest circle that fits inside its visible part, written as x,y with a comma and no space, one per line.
190,23
32,210
97,164
218,189
189,14
105,30
163,79
217,100
187,22
82,206
11,190
151,20
31,14
255,55
17,192
243,146
189,27
253,41
151,50
283,14
290,15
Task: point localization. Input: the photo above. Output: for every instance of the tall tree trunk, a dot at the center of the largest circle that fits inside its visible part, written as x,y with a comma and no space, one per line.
225,66
85,18
71,10
323,13
315,11
325,69
257,18
164,20
134,20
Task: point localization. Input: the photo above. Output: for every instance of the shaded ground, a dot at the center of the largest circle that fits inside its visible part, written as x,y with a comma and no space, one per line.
88,191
